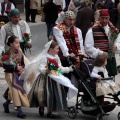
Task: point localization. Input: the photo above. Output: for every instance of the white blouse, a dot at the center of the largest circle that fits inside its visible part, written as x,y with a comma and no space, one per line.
43,63
99,69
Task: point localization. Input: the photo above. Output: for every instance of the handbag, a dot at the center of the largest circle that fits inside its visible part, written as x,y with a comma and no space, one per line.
42,17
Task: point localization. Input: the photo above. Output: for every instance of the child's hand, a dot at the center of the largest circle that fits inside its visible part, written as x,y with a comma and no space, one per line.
99,77
48,71
19,67
20,71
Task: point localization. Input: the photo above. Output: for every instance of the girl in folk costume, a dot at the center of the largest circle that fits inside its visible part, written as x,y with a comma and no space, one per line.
48,87
13,63
103,87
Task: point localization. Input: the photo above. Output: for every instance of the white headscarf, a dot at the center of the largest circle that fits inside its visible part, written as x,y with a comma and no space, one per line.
31,70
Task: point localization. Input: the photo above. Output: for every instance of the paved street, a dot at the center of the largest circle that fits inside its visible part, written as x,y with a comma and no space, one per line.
39,38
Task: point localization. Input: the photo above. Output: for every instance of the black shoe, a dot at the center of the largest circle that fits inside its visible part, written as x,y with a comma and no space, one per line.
23,116
41,111
6,108
50,115
33,21
28,21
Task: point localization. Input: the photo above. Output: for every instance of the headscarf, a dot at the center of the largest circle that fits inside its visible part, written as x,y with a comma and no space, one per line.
14,12
69,14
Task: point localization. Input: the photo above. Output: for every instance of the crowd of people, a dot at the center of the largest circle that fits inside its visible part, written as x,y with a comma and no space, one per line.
72,31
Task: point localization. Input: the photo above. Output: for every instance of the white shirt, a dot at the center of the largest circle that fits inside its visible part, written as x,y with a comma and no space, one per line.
89,43
16,31
5,14
102,69
43,62
99,69
62,43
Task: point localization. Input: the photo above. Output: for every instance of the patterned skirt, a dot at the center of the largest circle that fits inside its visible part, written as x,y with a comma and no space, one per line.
102,89
14,94
45,92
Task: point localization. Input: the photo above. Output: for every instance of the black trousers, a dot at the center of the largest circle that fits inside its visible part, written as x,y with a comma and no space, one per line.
33,13
27,14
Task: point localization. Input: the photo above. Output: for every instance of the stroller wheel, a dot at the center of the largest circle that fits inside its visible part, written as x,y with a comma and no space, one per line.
72,112
118,116
99,116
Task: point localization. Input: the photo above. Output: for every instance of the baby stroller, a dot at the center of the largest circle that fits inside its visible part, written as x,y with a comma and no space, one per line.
86,100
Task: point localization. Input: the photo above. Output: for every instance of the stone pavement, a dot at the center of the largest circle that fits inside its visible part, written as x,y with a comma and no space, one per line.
38,19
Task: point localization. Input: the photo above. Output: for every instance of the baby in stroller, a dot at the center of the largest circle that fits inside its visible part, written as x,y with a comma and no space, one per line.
94,84
103,87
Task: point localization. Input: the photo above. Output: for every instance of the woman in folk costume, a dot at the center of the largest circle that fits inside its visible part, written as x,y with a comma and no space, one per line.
48,90
103,87
13,63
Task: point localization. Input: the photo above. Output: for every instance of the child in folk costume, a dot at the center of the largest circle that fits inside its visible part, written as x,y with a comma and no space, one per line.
103,87
13,63
48,90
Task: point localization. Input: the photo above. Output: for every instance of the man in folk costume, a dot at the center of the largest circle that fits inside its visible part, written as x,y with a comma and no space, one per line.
98,41
16,27
69,39
6,5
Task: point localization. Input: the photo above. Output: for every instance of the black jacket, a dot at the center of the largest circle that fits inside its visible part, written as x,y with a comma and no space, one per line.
51,13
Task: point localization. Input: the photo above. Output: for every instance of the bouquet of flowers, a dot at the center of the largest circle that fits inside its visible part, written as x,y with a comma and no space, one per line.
6,58
7,11
26,39
112,37
53,66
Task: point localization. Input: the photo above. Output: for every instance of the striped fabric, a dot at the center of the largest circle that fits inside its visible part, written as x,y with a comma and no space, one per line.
71,39
100,38
46,92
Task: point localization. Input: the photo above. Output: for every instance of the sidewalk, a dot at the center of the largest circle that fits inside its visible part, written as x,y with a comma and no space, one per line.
38,19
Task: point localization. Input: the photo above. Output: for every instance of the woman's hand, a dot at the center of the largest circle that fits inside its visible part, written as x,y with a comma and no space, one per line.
48,71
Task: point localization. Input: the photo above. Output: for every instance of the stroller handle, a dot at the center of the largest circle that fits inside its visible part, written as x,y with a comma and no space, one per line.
109,78
80,55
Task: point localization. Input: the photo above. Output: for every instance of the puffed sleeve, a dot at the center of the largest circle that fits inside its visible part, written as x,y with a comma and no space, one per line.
81,41
42,66
64,69
61,41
